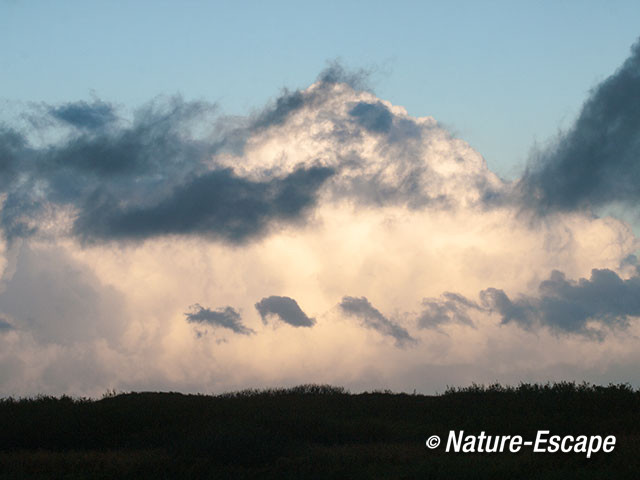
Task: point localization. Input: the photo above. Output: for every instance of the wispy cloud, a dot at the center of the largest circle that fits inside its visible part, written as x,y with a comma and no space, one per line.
371,318
449,308
84,115
226,317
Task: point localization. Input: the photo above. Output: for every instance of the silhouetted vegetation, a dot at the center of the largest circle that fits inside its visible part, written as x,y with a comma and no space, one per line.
315,431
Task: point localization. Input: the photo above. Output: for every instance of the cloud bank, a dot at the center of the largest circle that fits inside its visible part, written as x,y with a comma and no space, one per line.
113,222
568,306
595,163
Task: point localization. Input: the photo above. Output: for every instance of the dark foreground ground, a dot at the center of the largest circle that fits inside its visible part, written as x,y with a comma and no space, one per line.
315,432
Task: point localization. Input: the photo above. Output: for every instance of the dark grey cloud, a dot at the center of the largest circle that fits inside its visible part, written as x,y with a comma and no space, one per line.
84,115
374,117
148,177
597,162
5,326
584,307
13,150
217,204
161,140
372,318
631,260
286,309
567,306
449,308
226,317
137,161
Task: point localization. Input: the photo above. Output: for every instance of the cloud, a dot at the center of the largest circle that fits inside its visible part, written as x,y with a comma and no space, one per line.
290,102
375,117
596,162
11,142
13,151
287,103
60,300
226,317
179,168
286,309
449,308
568,306
162,139
135,162
126,220
84,115
5,326
336,73
631,261
372,318
580,307
151,178
217,204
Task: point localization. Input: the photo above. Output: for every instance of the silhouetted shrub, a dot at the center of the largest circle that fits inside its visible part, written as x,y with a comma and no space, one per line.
279,431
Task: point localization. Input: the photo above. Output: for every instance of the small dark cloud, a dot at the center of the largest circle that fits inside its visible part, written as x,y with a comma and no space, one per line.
226,317
286,309
5,326
568,306
84,115
372,318
449,308
630,259
597,162
375,117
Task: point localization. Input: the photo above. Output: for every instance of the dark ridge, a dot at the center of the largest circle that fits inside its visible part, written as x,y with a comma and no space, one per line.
314,431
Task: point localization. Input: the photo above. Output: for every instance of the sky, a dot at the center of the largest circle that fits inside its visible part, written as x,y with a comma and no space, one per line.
206,198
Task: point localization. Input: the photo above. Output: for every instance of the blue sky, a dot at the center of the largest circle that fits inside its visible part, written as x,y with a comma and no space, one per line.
501,75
